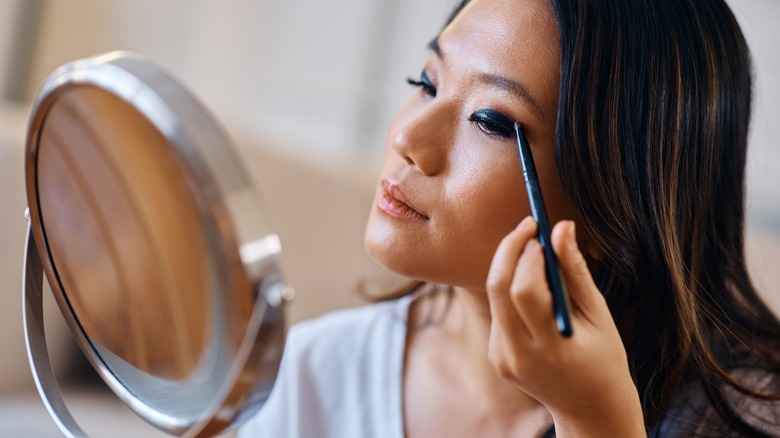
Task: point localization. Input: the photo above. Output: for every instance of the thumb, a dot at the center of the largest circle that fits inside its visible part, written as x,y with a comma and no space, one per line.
579,282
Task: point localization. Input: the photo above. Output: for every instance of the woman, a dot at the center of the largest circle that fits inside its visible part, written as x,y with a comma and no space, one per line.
637,113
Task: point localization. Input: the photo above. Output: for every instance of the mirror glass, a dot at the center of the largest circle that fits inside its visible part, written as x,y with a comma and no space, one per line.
123,232
155,245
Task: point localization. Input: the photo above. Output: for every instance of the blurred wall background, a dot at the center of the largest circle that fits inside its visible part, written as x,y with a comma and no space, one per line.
307,90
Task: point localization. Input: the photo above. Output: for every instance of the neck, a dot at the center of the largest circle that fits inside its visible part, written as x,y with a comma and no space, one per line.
466,332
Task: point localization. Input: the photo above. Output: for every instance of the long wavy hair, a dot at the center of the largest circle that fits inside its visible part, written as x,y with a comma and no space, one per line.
651,142
651,145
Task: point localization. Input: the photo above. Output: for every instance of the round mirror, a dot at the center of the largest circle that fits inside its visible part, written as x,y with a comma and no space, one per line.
155,247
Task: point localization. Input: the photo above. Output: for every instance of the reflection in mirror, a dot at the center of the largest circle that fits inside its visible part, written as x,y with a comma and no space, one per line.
157,251
123,233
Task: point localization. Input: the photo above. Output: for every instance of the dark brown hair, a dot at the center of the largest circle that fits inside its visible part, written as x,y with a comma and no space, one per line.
653,117
651,141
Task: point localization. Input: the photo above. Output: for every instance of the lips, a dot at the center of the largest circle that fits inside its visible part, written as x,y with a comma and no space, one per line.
393,202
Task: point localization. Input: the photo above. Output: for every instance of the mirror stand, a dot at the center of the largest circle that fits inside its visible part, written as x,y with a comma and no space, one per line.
35,340
158,253
268,311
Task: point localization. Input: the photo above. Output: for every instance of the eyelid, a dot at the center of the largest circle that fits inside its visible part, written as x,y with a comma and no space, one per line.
493,122
427,80
424,82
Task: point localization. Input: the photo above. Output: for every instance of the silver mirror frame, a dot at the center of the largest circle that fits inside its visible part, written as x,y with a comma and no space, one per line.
246,246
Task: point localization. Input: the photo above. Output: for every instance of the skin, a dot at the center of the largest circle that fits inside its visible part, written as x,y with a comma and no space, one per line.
495,365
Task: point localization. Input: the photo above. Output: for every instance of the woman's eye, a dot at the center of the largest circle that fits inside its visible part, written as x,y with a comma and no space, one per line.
492,122
425,83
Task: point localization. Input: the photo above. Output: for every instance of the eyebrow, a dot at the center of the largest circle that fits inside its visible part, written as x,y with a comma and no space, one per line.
509,85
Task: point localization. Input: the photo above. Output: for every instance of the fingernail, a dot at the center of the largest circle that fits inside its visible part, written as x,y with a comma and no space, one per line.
525,223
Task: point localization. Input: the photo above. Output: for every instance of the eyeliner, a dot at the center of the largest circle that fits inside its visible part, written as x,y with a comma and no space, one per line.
561,306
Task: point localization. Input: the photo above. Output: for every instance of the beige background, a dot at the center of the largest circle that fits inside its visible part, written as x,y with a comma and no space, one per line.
307,90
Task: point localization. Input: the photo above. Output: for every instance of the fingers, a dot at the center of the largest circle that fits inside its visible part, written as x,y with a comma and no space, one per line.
517,285
583,292
509,250
530,293
501,274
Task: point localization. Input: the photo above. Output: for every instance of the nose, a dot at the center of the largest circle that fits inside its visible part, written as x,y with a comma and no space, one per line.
423,138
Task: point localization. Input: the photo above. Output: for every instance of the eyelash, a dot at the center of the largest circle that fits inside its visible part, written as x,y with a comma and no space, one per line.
424,82
489,121
492,122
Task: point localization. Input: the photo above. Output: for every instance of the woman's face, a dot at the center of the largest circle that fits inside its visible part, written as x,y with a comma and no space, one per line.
451,186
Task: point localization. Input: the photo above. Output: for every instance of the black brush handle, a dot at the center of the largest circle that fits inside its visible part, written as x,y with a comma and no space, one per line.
561,306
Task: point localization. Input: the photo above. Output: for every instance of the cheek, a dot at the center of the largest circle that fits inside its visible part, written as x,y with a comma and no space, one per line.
487,200
488,188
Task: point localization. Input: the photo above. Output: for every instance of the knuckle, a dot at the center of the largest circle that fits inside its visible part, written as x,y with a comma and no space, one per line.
509,368
503,370
497,283
524,294
502,365
499,359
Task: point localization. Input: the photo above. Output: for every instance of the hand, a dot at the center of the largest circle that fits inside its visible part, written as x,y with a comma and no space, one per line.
584,381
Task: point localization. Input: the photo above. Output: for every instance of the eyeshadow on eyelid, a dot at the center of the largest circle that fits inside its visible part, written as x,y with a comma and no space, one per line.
495,121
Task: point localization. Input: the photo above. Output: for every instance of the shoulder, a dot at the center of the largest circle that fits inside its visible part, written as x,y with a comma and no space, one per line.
347,334
344,321
340,376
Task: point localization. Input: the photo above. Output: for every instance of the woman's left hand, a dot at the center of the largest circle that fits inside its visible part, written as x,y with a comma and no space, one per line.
584,380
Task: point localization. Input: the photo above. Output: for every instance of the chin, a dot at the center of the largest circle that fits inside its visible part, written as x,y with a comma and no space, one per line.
409,254
393,254
387,254
414,263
